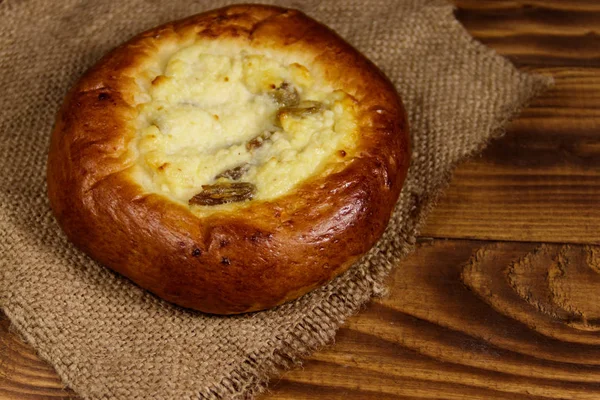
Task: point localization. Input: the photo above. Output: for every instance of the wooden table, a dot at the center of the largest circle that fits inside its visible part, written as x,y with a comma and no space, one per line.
501,300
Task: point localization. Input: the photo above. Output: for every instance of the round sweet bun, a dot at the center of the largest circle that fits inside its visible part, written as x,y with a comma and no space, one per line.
231,161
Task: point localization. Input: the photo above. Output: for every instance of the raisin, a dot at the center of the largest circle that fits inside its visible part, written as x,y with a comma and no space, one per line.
222,193
304,109
285,95
259,140
234,173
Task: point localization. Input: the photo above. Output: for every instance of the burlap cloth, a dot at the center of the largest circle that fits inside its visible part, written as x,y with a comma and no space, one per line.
107,338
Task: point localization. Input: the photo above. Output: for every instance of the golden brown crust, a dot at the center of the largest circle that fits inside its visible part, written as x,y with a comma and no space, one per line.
262,255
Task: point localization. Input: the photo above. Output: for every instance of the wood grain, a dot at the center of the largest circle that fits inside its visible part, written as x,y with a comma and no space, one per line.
474,319
536,33
463,319
543,179
461,322
23,376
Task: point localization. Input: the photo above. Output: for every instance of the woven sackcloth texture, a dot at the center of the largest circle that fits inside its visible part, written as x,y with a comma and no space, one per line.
107,338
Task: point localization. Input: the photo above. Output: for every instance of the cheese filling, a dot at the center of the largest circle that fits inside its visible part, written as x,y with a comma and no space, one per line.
219,125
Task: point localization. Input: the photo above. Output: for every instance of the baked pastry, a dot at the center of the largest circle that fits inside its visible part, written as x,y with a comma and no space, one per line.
230,161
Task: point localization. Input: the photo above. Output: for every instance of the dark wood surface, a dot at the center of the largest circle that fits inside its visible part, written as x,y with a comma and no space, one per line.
501,300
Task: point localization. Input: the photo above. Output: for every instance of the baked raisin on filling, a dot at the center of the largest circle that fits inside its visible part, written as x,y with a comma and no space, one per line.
223,126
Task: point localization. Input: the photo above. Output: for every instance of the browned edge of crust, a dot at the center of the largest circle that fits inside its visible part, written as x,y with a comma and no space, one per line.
263,255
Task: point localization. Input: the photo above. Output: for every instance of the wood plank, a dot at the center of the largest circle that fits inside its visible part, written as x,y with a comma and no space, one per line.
442,333
463,320
541,33
497,5
542,180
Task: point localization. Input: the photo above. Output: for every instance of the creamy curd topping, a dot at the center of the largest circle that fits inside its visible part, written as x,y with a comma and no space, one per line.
220,124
